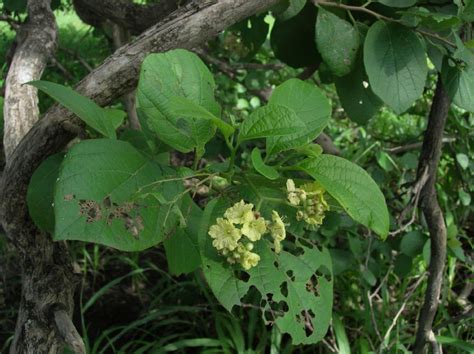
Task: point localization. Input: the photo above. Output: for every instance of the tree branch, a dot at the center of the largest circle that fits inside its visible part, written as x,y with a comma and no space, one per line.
133,17
429,160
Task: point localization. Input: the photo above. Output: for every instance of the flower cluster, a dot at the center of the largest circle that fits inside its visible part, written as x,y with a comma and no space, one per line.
234,234
309,199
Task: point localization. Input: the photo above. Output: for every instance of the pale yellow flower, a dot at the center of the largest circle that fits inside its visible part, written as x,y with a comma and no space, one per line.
277,228
254,229
293,195
225,235
249,260
240,213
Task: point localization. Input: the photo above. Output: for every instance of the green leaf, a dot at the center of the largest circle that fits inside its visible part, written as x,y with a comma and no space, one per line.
353,188
292,41
462,160
97,196
176,73
456,343
311,107
227,288
467,13
398,3
253,32
412,243
395,61
299,287
270,120
464,197
182,251
292,10
261,167
104,120
459,83
18,6
40,195
337,41
356,95
180,106
341,336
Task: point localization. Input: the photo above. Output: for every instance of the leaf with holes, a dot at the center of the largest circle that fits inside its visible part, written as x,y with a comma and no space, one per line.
337,42
353,188
395,61
311,107
176,73
97,196
355,93
296,290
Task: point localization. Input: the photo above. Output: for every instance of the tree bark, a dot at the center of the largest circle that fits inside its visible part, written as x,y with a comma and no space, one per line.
429,160
133,17
48,278
45,267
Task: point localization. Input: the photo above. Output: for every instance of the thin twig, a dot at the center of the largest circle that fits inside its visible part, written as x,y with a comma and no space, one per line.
400,311
463,316
381,17
413,205
413,146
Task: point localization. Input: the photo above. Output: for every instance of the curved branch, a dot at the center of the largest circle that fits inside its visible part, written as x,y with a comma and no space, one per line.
429,160
36,43
133,17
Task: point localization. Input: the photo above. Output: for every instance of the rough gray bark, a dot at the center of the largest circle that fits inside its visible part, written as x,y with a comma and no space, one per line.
134,17
48,277
429,160
36,43
45,267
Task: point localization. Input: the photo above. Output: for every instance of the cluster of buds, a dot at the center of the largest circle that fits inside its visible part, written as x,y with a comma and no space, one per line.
234,234
309,199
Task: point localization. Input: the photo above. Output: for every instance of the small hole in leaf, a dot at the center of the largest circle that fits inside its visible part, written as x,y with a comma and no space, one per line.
277,266
312,285
290,275
284,289
308,317
244,276
305,243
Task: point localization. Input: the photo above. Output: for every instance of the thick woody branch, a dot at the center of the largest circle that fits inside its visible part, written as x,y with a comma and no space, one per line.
429,160
133,17
36,42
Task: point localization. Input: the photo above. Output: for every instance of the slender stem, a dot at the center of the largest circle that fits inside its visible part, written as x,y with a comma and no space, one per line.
429,160
363,8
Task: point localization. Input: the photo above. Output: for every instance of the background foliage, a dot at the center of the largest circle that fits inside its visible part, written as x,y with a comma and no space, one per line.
128,298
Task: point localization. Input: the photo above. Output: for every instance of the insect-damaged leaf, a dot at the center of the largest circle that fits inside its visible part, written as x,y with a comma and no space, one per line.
297,291
96,198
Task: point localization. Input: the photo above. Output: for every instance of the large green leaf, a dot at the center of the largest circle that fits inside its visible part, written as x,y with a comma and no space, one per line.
296,290
310,105
181,247
176,73
40,195
97,196
292,41
337,42
104,120
356,96
395,61
353,188
459,83
270,120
